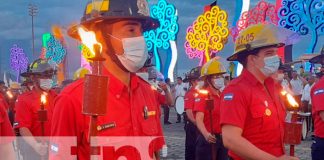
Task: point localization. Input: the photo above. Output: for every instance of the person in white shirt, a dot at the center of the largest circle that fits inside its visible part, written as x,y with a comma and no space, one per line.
180,90
306,100
297,84
285,83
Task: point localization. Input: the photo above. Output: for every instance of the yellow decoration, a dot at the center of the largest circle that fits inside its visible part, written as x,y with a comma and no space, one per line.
210,31
98,6
86,53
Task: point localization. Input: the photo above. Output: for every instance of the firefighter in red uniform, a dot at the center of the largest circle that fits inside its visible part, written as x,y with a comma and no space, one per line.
189,99
27,106
317,96
6,135
252,116
209,143
132,107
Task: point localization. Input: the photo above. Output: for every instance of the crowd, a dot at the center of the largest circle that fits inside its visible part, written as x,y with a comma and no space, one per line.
225,117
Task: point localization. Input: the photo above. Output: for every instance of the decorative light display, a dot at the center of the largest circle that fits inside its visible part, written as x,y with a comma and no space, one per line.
86,54
303,17
18,60
210,32
258,14
167,31
55,51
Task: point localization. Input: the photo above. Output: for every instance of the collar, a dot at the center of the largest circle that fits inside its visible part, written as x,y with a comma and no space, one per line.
254,81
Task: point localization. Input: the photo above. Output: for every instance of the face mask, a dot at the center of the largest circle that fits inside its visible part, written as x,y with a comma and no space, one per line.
45,84
218,83
30,87
143,75
271,65
280,77
200,84
135,53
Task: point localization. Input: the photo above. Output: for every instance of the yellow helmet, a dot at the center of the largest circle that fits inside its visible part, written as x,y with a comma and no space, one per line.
80,73
212,67
257,36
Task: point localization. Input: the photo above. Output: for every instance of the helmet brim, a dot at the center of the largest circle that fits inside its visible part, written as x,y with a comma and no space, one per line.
148,23
235,56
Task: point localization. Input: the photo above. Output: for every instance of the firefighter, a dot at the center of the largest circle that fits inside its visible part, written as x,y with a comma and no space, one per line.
27,106
209,143
190,123
6,135
132,105
252,117
317,95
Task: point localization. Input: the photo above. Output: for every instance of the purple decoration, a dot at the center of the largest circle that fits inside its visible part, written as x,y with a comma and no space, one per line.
18,60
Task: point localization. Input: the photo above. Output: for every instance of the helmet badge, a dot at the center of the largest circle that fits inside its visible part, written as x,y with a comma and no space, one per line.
143,7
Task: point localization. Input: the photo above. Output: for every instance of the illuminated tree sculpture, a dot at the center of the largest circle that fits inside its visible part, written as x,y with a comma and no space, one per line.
18,60
55,51
210,32
263,12
303,17
159,38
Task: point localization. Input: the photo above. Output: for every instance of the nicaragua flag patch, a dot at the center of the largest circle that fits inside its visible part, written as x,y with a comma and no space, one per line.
54,148
228,97
319,91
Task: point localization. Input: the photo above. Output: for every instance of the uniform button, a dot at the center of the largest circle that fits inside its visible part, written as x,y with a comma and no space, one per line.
117,96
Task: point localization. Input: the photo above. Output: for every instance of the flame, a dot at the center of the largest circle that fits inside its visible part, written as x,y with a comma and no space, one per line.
43,98
290,98
9,94
203,91
88,38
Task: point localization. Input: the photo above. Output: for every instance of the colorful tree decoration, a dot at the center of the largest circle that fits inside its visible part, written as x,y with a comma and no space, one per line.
210,32
167,31
263,12
18,60
55,51
303,17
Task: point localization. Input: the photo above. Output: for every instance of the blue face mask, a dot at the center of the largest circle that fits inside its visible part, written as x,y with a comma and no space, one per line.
271,65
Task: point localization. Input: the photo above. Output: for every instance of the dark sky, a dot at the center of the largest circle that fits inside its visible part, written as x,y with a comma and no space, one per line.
15,27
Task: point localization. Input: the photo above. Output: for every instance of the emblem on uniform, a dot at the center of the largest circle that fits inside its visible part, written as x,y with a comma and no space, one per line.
267,112
266,103
106,126
228,97
319,91
148,113
197,99
143,7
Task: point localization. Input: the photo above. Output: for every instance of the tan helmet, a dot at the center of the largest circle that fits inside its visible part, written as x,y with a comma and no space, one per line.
212,67
257,36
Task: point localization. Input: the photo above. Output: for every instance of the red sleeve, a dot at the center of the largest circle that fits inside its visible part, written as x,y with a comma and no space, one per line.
6,131
233,110
189,100
161,98
23,113
317,95
200,103
3,101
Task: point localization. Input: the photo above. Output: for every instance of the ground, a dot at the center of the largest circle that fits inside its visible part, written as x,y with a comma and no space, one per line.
175,138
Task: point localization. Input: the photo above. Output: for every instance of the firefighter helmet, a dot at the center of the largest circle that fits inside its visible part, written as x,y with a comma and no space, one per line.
212,67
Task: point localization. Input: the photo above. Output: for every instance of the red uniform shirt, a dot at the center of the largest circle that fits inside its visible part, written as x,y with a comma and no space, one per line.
3,101
200,106
125,109
27,106
6,131
317,95
189,99
246,104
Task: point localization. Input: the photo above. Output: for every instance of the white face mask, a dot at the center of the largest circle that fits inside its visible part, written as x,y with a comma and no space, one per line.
135,53
218,83
280,77
271,65
45,84
200,85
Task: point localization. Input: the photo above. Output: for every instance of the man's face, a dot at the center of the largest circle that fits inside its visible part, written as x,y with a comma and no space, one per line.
311,79
286,75
294,74
123,29
258,59
179,81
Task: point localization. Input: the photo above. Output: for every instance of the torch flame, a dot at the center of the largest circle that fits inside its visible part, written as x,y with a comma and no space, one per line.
88,38
9,94
43,98
290,98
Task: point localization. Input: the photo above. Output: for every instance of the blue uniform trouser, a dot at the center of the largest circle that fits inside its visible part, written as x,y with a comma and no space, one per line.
204,152
190,145
318,148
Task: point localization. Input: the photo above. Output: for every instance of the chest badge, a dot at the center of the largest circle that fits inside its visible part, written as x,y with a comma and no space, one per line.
267,112
106,126
148,113
266,103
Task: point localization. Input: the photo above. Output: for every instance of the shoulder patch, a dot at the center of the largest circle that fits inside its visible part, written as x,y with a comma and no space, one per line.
319,91
228,96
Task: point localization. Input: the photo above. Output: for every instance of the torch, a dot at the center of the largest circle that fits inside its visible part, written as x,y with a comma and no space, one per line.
42,115
293,128
209,107
95,89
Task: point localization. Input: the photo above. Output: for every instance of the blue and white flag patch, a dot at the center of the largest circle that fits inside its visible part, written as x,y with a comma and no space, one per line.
54,148
228,97
319,91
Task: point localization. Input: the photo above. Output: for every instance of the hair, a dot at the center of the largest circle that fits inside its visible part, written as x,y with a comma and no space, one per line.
179,78
2,82
243,56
